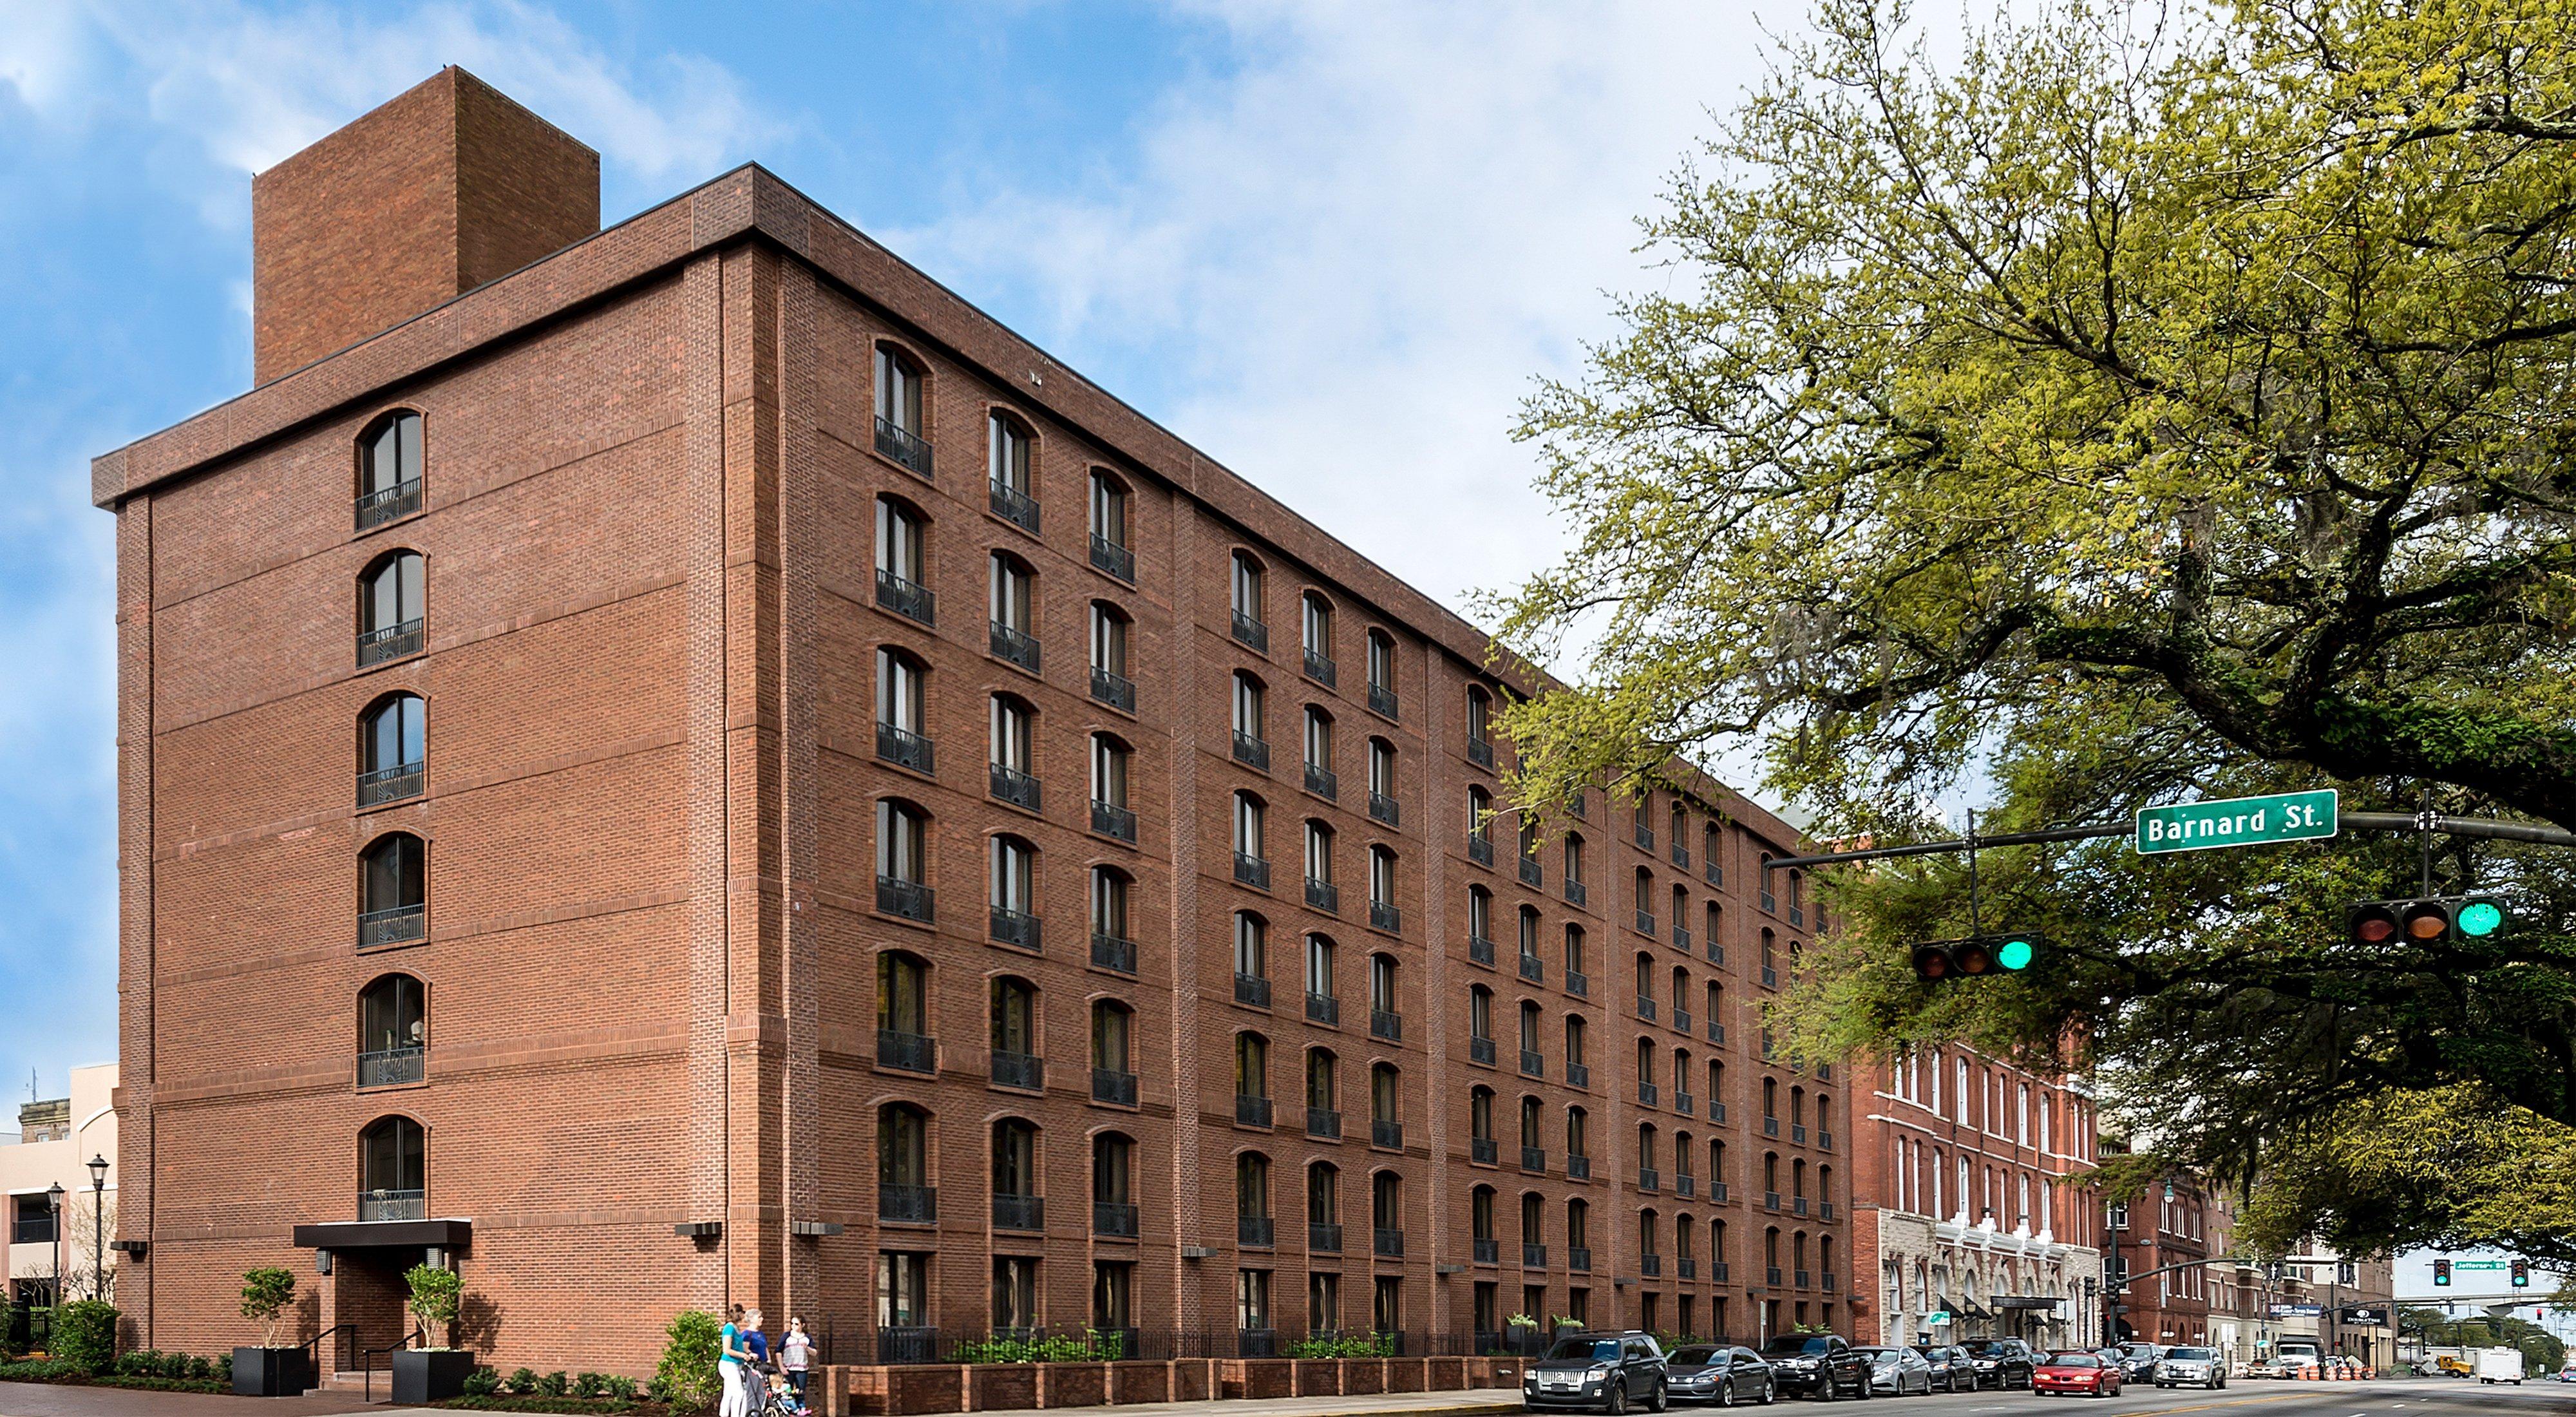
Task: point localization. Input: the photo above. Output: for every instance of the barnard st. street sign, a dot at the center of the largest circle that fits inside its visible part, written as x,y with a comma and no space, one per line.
2236,821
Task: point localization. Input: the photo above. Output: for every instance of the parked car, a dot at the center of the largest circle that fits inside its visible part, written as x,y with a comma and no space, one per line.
2138,1361
1718,1372
2196,1367
1818,1363
2076,1371
2265,1368
1952,1368
2001,1362
1897,1371
1610,1371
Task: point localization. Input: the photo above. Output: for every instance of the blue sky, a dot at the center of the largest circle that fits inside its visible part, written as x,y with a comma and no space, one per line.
1330,243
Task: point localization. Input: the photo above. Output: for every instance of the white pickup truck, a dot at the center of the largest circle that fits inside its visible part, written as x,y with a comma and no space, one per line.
2500,1365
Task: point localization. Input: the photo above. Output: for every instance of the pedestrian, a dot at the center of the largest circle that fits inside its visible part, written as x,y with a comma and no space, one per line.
796,1355
757,1344
732,1359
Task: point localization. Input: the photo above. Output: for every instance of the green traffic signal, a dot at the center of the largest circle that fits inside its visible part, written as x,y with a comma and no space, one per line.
2014,953
2479,918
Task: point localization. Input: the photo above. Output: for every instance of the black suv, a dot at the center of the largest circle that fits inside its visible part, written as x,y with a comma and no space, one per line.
2001,1362
1610,1371
1818,1363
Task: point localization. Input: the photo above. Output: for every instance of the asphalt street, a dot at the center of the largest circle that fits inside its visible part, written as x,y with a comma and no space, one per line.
2417,1397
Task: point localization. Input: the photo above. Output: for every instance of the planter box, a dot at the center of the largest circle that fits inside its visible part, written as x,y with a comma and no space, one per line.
1364,1375
1140,1382
1073,1384
1318,1377
1193,1380
1444,1374
1257,1377
426,1375
1000,1387
271,1372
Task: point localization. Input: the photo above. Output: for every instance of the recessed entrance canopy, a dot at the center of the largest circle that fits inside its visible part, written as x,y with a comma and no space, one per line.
371,1234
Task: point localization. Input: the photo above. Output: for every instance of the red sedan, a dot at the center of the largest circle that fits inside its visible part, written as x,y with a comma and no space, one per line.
2075,1372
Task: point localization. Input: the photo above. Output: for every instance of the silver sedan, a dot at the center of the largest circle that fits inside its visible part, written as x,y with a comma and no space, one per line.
1897,1371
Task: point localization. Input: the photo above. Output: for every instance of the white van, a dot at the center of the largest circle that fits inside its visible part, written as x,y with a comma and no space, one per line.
2500,1365
2299,1357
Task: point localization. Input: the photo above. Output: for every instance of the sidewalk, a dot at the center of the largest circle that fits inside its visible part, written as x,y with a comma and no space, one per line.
1478,1402
60,1400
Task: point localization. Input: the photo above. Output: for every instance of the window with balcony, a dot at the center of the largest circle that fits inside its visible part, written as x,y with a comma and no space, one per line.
1481,1146
1113,1063
1323,1094
1011,734
1531,966
1480,1228
1251,959
1111,551
905,1194
1386,1121
903,1013
900,431
1480,727
1578,1234
1381,673
1383,912
393,1036
903,535
1011,1041
389,469
1010,451
1110,683
1533,1062
1480,826
1251,1079
392,601
1112,946
1574,887
1650,1176
1110,815
1480,1024
1252,1199
1324,1208
1578,968
1016,1202
1386,1213
1245,589
393,900
1251,862
1381,773
1113,1197
1578,1145
1529,867
1577,1047
1013,607
393,749
1533,1142
393,1170
1533,1231
1316,638
903,710
903,860
1386,1018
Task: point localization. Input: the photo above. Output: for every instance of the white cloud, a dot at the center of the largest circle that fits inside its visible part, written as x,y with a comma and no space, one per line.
1361,242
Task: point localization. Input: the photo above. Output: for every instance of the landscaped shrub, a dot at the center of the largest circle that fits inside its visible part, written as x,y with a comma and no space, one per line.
621,1388
1349,1345
685,1379
482,1382
435,1293
265,1295
224,1370
524,1382
552,1384
85,1333
589,1385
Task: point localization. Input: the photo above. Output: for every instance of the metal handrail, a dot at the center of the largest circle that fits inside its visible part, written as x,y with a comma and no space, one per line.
367,1360
315,1343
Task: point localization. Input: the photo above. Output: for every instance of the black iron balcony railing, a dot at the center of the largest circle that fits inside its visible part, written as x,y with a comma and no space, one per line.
1324,1009
1381,701
1771,1275
391,642
1824,1141
1114,1218
1253,1230
1717,1272
1481,1050
1016,928
1715,953
1387,1134
1113,558
388,503
1646,923
1798,1133
1322,782
1251,1111
904,598
1321,669
1797,1205
1108,819
1681,854
1389,1243
1480,850
1324,1122
1717,1194
1251,750
1533,1063
1384,808
1012,1212
1650,1264
1116,690
1805,1280
1251,989
1826,1281
1323,1238
1685,1184
1716,1032
391,1067
907,448
1770,1200
1688,1267
1681,937
1484,1151
1112,953
394,925
905,749
907,1205
1383,916
392,783
1649,1179
1648,1095
35,1229
910,899
1533,1256
1684,1103
1578,983
1574,892
1580,804
1256,1343
1480,951
1824,1210
1579,1258
1530,872
1770,977
1020,1070
906,1052
1533,969
1252,871
1113,1086
1323,896
1681,1018
1534,1160
1646,1008
1797,915
1578,1167
1579,1075
1386,1024
1015,787
1015,645
1252,632
1489,1251
1480,751
1645,837
392,1205
1714,873
1015,506
1770,1126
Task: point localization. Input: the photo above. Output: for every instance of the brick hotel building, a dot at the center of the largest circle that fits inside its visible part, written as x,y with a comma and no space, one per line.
551,841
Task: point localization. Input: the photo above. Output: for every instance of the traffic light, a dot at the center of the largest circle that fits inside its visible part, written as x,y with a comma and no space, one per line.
2424,921
2521,1274
2441,1274
1943,960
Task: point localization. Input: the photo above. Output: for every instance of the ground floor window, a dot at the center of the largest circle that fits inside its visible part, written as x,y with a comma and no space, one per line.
1578,1306
1112,1282
1388,1310
903,1289
1323,1303
1489,1307
1252,1299
1015,1292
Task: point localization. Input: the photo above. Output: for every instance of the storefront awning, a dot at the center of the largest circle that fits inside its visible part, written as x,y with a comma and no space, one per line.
370,1234
2024,1301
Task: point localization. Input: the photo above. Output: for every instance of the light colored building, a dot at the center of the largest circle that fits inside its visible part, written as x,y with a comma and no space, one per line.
2341,1295
56,1140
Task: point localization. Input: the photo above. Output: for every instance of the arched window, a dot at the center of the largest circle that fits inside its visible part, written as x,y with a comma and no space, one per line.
1319,977
1324,1202
1251,946
1382,908
1009,450
391,600
1576,1047
393,880
1109,782
902,553
1646,1069
1647,1157
393,749
1532,1140
1112,947
1323,1092
1480,1116
1529,1034
1012,883
903,860
1529,944
1013,1037
1113,1202
1248,815
1013,607
1480,1015
1109,544
1113,1071
1381,672
899,384
1245,595
1252,1196
1533,1222
1480,1220
393,1170
1382,995
1016,1203
1573,860
389,468
1251,1066
1316,633
1649,1239
1480,925
1386,1120
1319,754
904,1190
1386,1210
1480,825
1645,986
903,1011
1010,740
1578,1224
1480,725
393,1034
1575,965
1251,741
1529,867
903,709
1642,897
1577,1132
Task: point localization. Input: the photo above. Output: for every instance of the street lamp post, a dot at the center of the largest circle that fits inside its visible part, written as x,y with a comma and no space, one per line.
54,1199
98,1225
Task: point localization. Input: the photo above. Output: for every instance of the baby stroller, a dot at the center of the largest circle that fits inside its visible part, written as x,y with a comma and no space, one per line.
772,1397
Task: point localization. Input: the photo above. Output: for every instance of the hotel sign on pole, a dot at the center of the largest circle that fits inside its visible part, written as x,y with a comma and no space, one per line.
2237,821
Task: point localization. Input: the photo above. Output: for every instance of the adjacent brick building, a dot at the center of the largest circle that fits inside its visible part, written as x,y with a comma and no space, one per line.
1964,1219
553,843
2166,1229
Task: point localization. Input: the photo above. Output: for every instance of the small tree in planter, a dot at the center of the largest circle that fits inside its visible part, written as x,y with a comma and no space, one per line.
433,1372
268,1370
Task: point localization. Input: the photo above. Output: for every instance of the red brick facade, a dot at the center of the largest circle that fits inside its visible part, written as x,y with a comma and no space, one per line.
2168,1226
654,916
